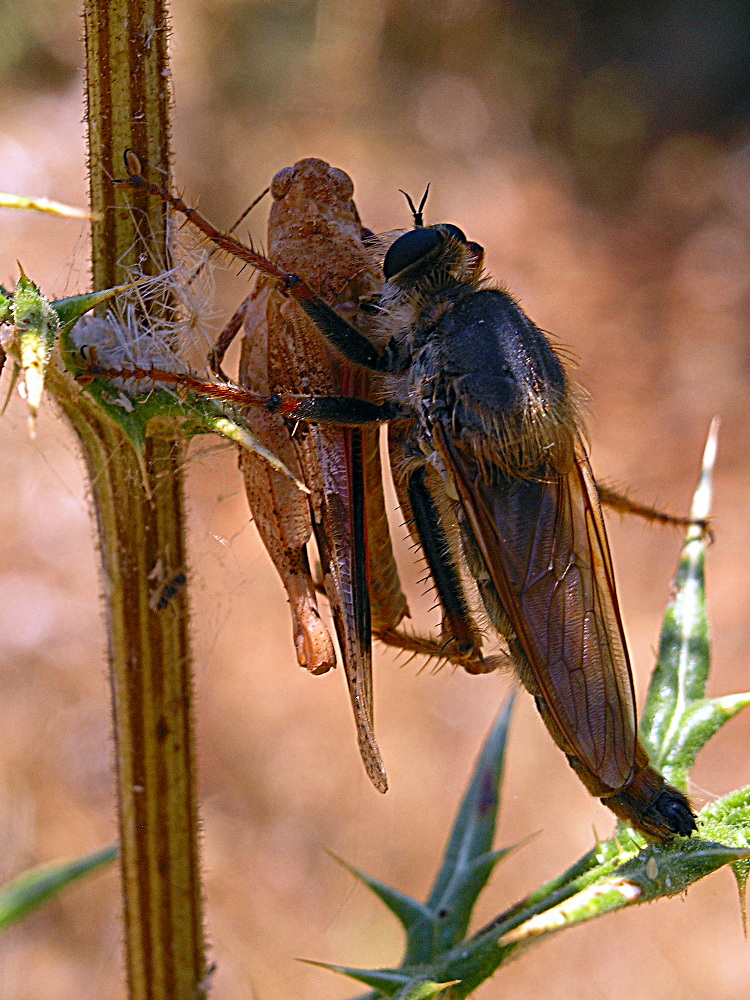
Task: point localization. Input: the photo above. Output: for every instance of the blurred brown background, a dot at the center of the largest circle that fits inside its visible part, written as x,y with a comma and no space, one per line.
600,153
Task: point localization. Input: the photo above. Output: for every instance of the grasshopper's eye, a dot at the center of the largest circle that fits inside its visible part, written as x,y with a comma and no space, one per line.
342,183
282,182
410,248
453,231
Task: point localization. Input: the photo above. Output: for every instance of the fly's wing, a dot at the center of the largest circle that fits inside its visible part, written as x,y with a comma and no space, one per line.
546,551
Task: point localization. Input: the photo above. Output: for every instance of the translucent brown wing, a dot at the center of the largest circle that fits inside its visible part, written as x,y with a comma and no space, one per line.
546,551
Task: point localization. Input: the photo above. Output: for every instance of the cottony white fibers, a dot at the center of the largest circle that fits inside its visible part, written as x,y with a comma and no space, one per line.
163,322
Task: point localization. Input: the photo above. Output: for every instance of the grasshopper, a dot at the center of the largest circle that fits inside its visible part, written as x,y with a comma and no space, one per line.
314,229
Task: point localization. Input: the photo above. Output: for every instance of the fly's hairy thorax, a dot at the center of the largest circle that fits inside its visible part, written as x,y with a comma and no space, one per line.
485,373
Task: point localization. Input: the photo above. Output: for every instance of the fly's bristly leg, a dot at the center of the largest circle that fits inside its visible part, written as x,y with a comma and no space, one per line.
346,411
619,501
462,642
341,411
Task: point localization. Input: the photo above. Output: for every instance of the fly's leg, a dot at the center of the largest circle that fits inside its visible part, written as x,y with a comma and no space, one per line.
440,650
626,505
463,641
337,410
428,516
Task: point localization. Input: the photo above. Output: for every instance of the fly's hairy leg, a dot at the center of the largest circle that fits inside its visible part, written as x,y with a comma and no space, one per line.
280,511
616,500
434,530
458,626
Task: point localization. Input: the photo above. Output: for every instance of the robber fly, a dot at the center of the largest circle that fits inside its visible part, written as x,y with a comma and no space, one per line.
492,461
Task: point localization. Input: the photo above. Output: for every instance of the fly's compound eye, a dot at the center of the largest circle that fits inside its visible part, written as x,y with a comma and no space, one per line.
453,231
410,248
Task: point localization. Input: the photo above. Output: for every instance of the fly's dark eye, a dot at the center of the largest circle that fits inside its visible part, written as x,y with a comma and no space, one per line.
453,231
410,248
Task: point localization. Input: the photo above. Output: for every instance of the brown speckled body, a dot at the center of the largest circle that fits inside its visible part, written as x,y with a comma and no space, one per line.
314,231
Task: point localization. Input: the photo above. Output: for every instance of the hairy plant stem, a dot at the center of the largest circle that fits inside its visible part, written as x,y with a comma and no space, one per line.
140,515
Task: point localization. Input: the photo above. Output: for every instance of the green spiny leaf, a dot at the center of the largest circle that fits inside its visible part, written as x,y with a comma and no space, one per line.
682,668
656,872
474,829
409,911
728,820
668,871
30,890
700,721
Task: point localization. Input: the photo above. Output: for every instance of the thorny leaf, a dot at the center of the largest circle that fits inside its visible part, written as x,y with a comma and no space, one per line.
30,337
469,859
678,719
35,887
728,820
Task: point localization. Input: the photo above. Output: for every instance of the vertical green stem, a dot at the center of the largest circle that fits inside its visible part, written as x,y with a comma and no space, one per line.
138,500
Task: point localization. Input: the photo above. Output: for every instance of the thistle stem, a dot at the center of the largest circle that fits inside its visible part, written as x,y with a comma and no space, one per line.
140,517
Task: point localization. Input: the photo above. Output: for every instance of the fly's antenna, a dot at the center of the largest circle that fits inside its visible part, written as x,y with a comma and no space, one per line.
417,212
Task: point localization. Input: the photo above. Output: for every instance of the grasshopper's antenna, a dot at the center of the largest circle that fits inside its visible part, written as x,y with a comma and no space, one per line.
417,212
